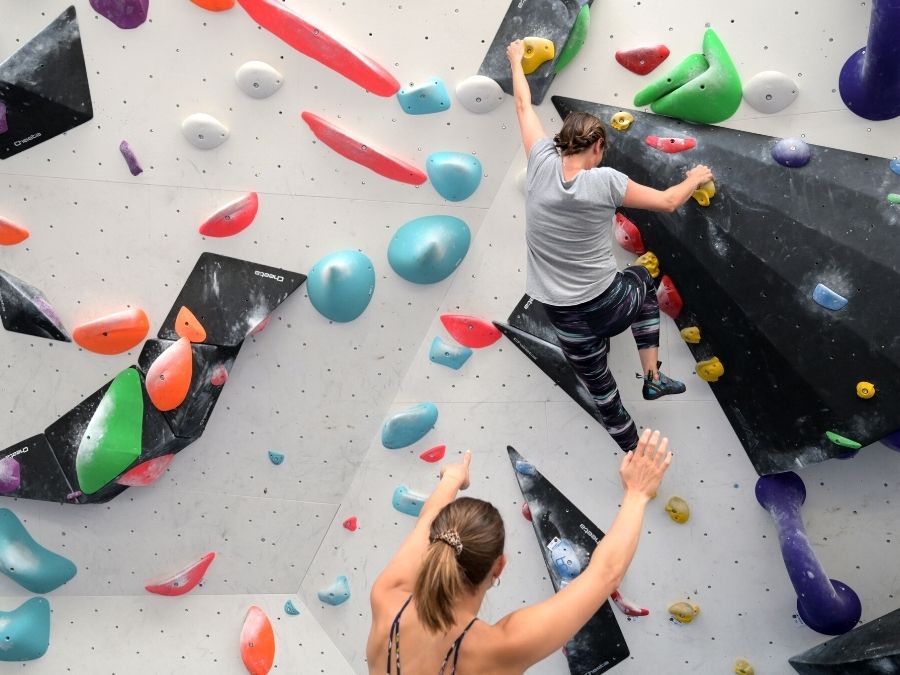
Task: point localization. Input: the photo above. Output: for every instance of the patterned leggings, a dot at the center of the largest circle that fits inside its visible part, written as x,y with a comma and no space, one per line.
584,331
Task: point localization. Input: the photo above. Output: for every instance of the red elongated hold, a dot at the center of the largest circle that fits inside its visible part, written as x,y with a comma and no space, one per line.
671,145
146,473
317,44
435,454
219,376
669,298
12,234
642,60
351,524
470,331
628,236
257,642
113,333
627,607
232,218
169,377
261,326
526,511
185,580
356,151
188,326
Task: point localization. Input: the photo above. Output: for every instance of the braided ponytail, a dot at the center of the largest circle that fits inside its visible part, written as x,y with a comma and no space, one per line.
579,132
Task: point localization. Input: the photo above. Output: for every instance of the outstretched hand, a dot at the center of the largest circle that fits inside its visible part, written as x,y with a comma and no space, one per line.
458,472
515,51
700,174
643,468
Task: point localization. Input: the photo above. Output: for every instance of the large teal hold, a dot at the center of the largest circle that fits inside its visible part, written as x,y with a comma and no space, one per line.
455,175
28,563
341,284
337,593
408,426
25,631
427,250
425,98
408,502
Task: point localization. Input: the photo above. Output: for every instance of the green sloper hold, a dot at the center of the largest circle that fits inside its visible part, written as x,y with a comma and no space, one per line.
576,38
843,441
711,97
693,66
112,440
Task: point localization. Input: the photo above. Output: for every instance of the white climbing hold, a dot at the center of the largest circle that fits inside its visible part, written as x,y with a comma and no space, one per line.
770,91
479,94
521,179
204,131
258,79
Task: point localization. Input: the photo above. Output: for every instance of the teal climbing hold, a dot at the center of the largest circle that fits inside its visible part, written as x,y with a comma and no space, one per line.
25,631
452,356
427,250
276,457
425,98
289,608
337,593
28,563
576,39
455,175
408,502
341,284
828,299
408,426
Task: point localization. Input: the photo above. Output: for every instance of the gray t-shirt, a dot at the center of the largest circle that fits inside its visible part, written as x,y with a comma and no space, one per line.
568,228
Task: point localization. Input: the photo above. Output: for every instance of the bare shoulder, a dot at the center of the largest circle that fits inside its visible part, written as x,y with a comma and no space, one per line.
487,650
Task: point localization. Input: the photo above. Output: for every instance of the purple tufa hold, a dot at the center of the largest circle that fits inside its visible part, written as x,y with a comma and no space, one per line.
4,127
133,164
825,605
10,475
870,79
124,13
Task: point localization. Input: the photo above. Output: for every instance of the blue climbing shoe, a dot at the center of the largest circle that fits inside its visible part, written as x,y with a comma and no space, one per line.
654,389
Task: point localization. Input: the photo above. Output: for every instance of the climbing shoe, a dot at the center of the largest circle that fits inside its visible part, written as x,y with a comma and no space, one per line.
654,389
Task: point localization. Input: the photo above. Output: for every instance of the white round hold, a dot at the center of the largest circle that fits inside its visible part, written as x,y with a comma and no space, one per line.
770,91
258,79
204,131
479,94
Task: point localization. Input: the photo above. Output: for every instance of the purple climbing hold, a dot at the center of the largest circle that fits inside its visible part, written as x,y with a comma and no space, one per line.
10,475
133,164
892,441
791,152
870,79
4,127
124,13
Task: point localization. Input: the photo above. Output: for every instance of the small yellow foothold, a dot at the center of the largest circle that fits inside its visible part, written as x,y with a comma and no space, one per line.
684,611
622,120
678,510
743,667
538,50
691,334
704,193
711,369
865,389
651,262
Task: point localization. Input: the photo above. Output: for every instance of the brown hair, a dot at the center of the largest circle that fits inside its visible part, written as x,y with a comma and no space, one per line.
579,132
466,537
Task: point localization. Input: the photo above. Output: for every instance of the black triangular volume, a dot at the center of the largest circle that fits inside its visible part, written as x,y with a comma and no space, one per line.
24,309
746,267
29,470
44,86
599,645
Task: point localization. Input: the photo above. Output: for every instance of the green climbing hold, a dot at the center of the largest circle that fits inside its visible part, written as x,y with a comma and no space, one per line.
707,97
112,440
576,38
894,198
843,441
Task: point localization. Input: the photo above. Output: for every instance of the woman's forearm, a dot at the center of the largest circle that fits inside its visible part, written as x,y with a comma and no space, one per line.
521,89
443,494
615,551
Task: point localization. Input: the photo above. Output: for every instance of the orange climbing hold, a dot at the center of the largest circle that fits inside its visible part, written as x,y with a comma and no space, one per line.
669,298
215,5
470,331
257,642
12,234
169,377
114,333
188,326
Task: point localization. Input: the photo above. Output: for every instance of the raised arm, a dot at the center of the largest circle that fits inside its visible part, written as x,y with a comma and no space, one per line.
529,123
533,633
639,196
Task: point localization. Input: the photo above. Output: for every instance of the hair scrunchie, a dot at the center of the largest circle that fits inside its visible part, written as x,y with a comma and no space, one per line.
451,538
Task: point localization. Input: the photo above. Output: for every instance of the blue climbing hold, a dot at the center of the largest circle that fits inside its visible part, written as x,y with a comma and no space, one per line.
791,152
452,356
427,250
276,457
895,166
408,502
290,609
565,559
423,99
455,175
408,426
828,298
337,593
28,563
25,631
341,284
525,468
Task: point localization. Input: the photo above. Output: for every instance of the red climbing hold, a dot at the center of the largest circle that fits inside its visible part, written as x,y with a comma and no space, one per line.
11,234
671,145
470,331
628,607
232,218
436,454
146,472
185,580
351,524
628,236
642,60
261,326
219,376
257,642
669,298
169,377
526,511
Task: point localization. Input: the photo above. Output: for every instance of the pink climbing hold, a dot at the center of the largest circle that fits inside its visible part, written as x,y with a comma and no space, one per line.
671,145
4,126
261,326
642,60
146,473
124,13
435,454
628,236
232,218
669,298
351,524
185,580
526,512
219,376
470,331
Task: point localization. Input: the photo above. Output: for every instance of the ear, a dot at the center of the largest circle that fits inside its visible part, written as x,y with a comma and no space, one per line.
499,566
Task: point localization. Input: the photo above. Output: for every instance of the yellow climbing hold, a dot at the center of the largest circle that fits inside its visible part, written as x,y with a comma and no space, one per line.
684,611
678,510
743,667
538,50
865,389
704,193
622,120
711,369
691,335
651,262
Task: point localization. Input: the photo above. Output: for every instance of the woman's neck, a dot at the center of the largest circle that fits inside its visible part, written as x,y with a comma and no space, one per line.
572,165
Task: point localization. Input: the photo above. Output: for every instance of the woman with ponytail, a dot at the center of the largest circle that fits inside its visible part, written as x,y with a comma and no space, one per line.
569,209
432,589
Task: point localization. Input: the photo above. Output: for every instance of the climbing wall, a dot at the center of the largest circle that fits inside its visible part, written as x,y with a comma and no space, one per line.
318,391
